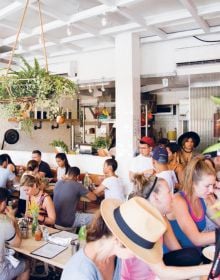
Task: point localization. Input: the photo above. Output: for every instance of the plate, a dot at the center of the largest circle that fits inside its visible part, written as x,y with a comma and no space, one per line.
209,252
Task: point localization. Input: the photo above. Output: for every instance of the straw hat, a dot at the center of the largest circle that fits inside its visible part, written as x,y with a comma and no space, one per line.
137,224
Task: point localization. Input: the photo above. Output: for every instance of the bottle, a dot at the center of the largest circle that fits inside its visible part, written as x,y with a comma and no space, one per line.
45,233
160,133
82,236
10,204
86,180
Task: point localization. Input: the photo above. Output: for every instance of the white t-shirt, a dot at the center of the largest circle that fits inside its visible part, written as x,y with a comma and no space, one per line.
60,172
114,188
141,163
7,232
170,177
5,176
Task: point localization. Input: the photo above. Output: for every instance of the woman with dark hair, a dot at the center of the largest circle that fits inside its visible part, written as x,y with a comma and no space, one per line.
11,166
32,188
63,165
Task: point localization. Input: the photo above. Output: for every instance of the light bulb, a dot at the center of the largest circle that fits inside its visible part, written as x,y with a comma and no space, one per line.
69,30
102,88
104,20
90,89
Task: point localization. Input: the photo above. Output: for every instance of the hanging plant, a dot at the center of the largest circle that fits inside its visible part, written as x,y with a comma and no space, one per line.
33,85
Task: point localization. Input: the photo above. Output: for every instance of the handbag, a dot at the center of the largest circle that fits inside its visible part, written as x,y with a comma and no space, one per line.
215,269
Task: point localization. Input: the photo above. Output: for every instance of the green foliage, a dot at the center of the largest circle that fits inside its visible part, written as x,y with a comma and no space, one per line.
59,143
101,143
27,125
36,84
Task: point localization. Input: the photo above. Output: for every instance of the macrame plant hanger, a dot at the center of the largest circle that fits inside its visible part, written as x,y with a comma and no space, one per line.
17,37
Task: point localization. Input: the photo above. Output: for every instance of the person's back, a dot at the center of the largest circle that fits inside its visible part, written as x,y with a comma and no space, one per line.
66,196
5,174
113,188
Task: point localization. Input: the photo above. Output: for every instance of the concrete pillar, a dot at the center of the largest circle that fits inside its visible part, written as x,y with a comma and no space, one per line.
127,78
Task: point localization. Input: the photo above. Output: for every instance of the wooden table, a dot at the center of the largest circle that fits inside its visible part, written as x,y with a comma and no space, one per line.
30,244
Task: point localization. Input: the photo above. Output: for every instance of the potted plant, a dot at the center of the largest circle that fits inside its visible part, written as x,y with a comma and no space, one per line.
101,144
32,86
60,145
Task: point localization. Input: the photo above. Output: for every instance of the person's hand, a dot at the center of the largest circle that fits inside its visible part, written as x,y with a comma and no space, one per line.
10,213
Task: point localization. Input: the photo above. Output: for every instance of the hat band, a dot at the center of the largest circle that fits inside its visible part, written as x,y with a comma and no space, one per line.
130,233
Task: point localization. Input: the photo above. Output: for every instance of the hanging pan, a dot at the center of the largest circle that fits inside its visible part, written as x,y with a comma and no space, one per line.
11,137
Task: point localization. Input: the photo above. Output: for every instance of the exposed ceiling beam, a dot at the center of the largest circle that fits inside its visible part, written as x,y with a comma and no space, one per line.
86,28
109,3
49,11
11,8
129,14
189,5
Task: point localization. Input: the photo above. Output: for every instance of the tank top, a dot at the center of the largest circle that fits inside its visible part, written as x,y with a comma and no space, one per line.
199,221
42,211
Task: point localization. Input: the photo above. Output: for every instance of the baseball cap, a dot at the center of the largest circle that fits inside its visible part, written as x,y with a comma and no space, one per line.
147,140
160,154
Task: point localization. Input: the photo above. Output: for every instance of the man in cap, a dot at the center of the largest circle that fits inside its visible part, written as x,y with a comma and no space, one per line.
160,163
142,164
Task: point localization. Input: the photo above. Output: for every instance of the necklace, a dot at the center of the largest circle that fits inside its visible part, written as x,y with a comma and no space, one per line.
37,193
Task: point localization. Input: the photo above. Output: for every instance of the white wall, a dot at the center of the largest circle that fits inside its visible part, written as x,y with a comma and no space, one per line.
156,59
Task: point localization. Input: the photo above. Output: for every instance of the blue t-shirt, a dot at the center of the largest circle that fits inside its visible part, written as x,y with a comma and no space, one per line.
83,268
200,223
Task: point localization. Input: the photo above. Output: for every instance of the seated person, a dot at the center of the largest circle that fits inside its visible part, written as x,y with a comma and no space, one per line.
31,169
111,186
44,168
63,165
36,195
66,196
10,233
6,176
198,184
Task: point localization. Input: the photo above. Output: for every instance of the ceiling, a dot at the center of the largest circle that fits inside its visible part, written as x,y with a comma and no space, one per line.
72,26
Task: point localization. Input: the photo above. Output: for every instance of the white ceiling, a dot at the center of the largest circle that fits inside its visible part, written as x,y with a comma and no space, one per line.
153,20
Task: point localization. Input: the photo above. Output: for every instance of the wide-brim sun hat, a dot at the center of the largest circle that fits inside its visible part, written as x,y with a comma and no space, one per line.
137,225
187,135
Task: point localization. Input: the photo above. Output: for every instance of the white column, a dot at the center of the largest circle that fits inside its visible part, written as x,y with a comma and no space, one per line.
127,77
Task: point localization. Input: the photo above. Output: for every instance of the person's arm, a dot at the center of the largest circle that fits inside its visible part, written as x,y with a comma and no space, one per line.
16,239
188,226
99,190
178,273
51,214
91,196
169,238
213,207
